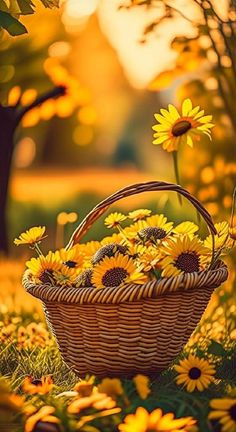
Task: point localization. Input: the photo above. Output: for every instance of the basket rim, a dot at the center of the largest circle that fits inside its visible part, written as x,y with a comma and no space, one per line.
130,293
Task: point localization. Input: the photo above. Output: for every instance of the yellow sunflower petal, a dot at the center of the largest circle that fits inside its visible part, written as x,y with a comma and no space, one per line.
205,119
186,107
160,139
162,120
222,404
173,112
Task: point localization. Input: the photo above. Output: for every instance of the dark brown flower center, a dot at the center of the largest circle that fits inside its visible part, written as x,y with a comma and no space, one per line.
194,373
70,264
181,128
152,233
108,250
188,262
232,412
36,382
85,278
42,426
46,276
114,277
216,426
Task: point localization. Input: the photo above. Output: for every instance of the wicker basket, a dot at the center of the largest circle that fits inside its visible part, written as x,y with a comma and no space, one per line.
130,330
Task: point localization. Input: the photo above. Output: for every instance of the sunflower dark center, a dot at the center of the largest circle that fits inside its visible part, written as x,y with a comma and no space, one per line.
216,426
46,276
194,373
70,264
232,412
42,426
85,278
181,128
108,250
114,277
36,382
152,233
188,262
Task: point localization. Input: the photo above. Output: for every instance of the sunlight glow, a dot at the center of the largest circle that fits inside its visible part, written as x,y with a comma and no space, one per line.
76,14
80,8
124,29
25,152
59,49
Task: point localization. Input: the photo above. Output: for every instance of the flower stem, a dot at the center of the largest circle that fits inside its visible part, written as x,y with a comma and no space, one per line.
231,224
37,248
122,232
176,169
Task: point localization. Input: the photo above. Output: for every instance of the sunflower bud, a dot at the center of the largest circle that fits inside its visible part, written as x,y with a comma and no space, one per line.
152,234
85,279
108,250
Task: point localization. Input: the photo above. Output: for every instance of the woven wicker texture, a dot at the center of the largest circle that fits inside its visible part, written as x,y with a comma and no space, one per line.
129,330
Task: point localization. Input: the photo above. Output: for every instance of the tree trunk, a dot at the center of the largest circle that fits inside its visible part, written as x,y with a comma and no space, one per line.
10,117
7,129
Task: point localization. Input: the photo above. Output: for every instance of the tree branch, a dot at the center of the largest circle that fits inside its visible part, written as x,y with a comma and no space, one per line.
54,93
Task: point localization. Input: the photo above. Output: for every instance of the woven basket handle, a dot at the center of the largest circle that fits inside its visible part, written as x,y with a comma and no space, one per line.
135,189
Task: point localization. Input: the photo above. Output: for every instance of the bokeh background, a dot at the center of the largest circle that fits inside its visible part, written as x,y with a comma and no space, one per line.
121,61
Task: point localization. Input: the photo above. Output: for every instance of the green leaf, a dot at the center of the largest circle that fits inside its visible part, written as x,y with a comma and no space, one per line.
14,7
11,24
3,6
50,3
216,348
26,7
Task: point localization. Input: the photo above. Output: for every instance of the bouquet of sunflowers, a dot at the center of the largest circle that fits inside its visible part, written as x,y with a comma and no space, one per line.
143,247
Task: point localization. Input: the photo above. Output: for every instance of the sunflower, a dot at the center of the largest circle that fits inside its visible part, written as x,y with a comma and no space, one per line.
99,401
37,386
186,228
85,278
72,258
88,249
142,384
114,238
154,229
42,268
114,220
116,271
42,418
174,129
111,386
232,233
139,214
31,236
65,275
136,250
149,259
156,421
194,373
224,412
10,403
109,250
183,255
85,388
222,240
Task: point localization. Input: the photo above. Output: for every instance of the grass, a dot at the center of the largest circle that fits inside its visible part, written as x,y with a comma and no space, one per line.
28,349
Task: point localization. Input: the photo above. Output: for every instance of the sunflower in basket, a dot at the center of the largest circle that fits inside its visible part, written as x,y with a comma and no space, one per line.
183,255
150,230
145,247
116,271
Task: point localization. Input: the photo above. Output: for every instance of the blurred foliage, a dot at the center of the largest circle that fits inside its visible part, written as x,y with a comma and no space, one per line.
11,11
205,70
